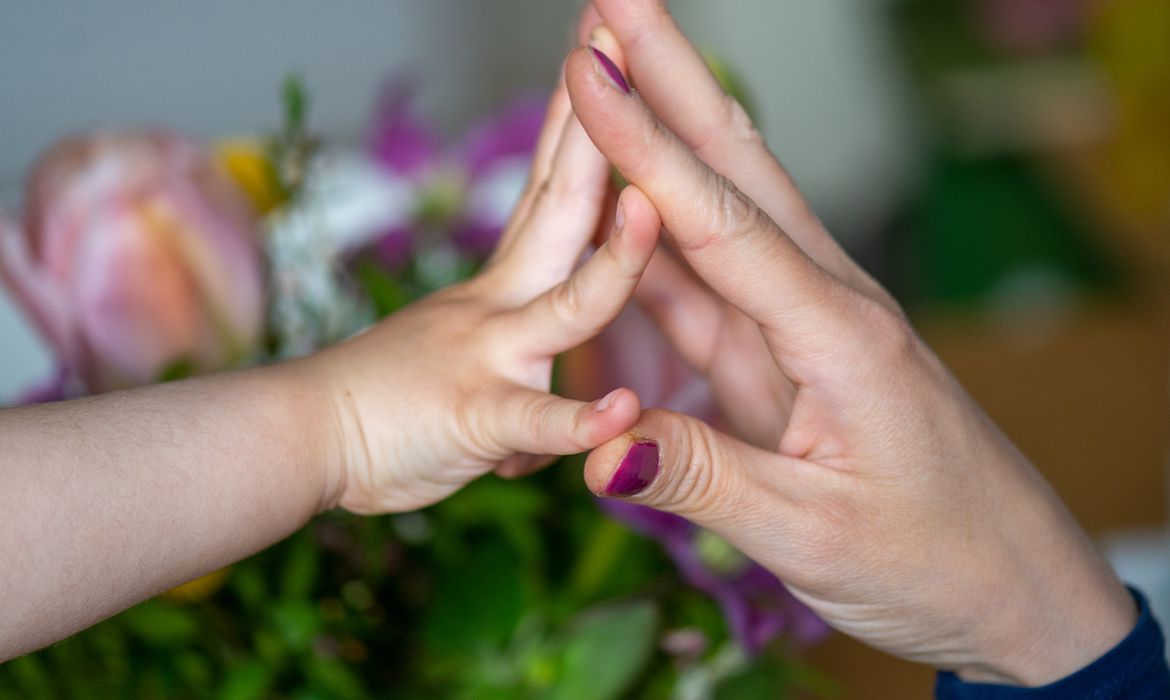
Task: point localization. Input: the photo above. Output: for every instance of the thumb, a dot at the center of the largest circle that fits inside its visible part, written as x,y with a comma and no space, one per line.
679,464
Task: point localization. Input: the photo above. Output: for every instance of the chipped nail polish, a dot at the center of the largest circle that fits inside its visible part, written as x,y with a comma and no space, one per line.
637,470
611,69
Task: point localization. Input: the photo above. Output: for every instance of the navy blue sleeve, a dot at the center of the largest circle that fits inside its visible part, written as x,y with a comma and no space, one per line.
1135,669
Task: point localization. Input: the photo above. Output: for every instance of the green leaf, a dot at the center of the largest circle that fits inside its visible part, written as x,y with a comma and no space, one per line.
296,104
605,650
247,580
246,682
161,624
479,600
30,675
756,681
297,621
301,564
602,552
180,369
385,290
194,669
335,679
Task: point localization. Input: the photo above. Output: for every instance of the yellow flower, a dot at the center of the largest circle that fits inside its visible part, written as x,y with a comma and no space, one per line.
200,589
245,160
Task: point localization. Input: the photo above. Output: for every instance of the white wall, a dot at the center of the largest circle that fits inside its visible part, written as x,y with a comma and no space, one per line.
825,84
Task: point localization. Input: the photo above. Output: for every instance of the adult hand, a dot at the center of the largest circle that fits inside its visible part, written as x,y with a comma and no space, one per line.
874,488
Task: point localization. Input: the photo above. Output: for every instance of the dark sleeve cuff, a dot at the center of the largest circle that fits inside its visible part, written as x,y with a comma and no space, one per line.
1134,669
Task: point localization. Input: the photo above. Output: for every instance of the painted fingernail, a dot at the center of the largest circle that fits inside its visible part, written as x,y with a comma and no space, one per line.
611,70
605,402
637,470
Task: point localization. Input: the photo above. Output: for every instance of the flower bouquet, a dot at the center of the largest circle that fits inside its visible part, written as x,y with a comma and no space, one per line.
144,256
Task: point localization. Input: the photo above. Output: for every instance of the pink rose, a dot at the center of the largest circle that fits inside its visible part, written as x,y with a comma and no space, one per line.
137,256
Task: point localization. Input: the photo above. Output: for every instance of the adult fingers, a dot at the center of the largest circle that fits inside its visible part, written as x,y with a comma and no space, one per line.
578,308
679,464
538,423
717,128
736,248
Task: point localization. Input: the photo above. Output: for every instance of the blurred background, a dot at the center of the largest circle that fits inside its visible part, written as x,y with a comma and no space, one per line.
1002,165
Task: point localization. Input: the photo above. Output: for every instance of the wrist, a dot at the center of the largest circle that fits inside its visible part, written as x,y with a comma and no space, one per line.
1054,627
314,427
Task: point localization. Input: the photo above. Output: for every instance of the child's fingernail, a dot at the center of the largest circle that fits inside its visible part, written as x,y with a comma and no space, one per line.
605,402
619,218
637,470
611,70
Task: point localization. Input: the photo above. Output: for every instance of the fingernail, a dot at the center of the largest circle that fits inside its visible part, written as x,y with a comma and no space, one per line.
637,470
619,218
611,70
605,402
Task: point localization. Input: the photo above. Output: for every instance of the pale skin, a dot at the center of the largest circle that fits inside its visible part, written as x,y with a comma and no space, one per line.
112,499
861,473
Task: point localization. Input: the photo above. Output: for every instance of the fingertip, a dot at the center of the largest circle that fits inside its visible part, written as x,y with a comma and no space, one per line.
579,72
613,414
603,39
640,219
603,461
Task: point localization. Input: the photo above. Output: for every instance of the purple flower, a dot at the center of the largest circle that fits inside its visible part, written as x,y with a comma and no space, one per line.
398,139
1032,26
755,604
58,387
466,191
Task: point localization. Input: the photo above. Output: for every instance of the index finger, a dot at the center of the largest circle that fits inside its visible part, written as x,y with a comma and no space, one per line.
728,240
718,129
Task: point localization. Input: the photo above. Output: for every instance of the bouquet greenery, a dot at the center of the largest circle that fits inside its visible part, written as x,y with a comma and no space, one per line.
509,589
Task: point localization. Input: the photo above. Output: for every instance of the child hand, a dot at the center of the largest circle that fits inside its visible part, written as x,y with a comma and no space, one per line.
457,384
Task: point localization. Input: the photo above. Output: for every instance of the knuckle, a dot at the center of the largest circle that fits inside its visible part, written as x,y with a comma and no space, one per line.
654,139
730,211
731,125
740,125
568,302
478,436
890,335
704,485
537,415
567,187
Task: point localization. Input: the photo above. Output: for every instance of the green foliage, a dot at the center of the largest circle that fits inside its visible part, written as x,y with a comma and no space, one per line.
604,651
385,290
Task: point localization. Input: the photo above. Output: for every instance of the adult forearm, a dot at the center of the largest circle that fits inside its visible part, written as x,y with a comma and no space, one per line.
108,500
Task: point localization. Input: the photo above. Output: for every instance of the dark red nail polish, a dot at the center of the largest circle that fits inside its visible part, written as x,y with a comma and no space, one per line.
637,470
611,69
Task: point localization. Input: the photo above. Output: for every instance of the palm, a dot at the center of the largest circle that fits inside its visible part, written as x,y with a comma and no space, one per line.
750,390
